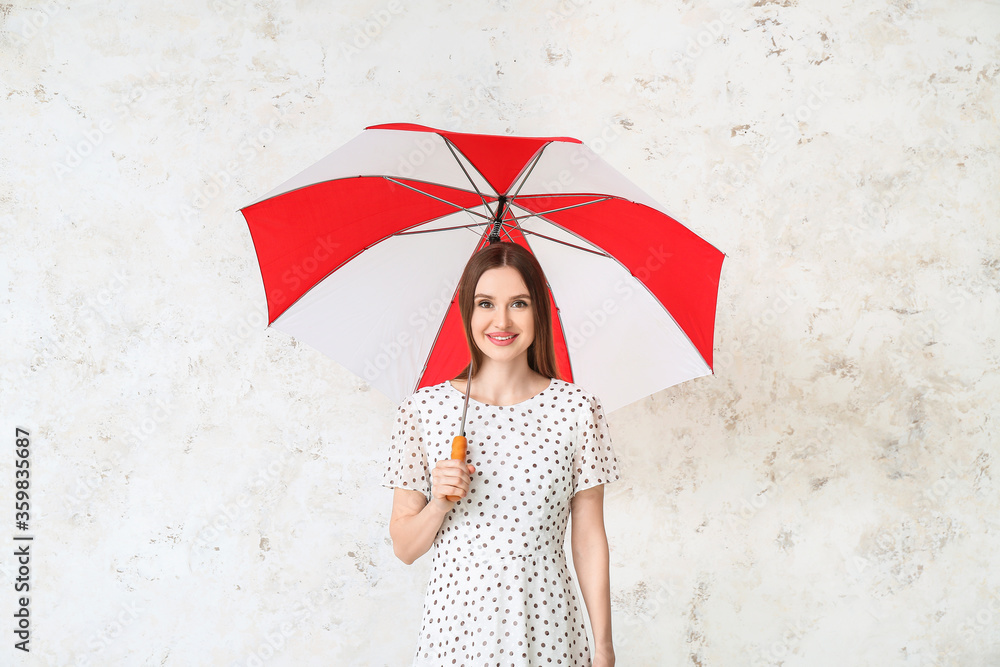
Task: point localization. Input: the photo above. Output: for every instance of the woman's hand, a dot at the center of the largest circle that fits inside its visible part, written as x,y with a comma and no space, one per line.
450,477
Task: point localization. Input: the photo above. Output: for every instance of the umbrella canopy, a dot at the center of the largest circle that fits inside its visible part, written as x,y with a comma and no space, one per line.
361,254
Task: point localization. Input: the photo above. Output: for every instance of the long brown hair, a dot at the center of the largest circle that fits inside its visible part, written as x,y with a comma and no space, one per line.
541,352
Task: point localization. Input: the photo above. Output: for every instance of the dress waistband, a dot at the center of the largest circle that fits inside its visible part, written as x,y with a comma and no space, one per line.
489,554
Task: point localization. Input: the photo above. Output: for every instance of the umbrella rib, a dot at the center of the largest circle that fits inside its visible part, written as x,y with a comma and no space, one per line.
345,178
565,208
538,156
464,171
571,245
552,195
509,237
444,201
440,229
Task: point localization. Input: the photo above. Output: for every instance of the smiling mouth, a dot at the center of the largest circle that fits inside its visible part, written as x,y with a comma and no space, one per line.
502,338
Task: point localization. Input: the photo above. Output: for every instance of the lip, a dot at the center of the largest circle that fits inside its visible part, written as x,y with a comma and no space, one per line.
502,342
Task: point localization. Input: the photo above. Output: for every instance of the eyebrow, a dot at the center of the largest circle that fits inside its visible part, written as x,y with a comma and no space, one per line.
518,296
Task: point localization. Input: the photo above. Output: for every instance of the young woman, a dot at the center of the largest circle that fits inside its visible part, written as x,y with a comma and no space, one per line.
539,451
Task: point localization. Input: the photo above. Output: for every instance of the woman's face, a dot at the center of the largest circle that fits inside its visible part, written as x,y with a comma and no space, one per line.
503,324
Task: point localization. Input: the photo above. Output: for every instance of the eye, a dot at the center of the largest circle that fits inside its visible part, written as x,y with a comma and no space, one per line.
524,304
484,303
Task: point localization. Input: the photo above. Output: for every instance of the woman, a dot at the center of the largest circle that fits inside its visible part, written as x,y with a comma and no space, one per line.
539,452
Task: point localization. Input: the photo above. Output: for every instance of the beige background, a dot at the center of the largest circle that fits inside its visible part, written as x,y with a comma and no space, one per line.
205,491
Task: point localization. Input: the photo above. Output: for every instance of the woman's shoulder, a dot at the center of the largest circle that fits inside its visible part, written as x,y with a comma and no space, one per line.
421,396
576,394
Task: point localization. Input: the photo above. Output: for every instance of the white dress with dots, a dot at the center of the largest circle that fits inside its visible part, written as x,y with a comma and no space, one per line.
501,592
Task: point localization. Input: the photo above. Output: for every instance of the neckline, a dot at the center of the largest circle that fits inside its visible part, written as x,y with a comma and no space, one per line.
491,405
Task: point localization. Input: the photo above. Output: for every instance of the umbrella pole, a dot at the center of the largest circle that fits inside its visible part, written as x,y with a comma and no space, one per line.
459,446
498,220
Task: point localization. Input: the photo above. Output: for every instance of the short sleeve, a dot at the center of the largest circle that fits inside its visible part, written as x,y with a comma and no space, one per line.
595,461
407,465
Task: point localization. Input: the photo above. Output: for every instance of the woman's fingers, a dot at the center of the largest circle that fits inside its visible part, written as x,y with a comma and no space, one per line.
451,477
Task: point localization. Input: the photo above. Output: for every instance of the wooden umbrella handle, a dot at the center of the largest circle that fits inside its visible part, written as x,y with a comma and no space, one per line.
459,446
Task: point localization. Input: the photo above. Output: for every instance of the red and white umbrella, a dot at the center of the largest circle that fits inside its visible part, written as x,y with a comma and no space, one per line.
361,254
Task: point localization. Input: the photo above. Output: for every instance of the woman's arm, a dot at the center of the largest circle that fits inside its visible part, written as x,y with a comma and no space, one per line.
591,559
415,522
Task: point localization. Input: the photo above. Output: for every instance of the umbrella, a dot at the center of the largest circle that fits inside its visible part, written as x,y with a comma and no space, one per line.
361,253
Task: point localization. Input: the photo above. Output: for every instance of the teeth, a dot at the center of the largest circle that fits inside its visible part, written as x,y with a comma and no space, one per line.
499,338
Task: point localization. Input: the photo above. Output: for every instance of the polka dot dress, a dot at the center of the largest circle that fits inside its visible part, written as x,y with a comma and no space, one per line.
501,593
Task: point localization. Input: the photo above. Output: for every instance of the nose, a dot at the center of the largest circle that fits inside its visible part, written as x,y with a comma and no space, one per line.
501,319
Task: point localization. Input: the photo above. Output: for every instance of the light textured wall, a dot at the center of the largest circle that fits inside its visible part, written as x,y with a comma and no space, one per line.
205,491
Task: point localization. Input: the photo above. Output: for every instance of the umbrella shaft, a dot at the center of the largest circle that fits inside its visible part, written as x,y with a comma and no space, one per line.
465,407
498,219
